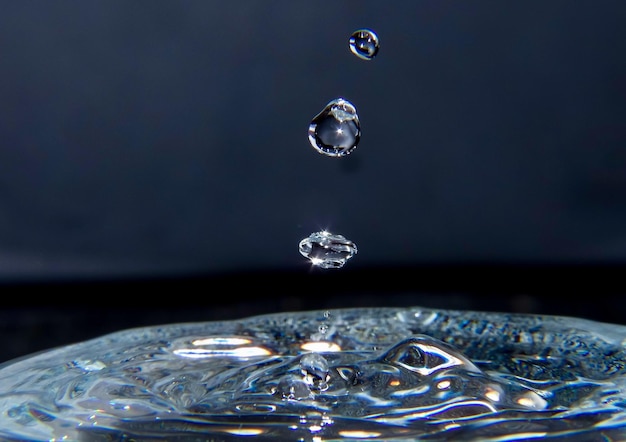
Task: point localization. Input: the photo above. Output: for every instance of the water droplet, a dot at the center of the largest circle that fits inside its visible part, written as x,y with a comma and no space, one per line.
315,370
327,250
293,388
364,44
336,130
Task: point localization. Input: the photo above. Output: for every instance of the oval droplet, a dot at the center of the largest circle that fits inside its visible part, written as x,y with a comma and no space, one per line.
327,250
364,44
293,388
336,130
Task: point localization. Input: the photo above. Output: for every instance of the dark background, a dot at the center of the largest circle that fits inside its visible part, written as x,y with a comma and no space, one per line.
155,166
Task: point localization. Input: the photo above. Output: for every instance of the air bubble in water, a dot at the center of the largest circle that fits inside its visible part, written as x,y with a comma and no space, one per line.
364,44
336,130
327,250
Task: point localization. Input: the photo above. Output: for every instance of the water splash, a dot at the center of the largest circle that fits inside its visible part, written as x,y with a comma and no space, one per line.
376,374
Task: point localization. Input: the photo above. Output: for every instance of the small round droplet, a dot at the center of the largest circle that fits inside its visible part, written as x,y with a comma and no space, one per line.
327,250
336,130
315,371
364,44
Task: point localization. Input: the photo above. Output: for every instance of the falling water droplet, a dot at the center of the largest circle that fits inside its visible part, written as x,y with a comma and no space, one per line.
336,130
364,44
327,250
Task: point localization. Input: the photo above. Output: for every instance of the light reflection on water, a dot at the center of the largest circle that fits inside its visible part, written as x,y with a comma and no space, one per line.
352,374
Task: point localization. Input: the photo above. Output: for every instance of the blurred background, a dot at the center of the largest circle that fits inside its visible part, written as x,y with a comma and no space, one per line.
155,166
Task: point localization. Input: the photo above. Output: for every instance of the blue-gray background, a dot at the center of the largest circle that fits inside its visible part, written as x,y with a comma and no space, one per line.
152,139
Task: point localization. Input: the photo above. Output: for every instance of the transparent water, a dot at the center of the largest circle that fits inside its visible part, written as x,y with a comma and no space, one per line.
347,374
336,130
364,43
327,250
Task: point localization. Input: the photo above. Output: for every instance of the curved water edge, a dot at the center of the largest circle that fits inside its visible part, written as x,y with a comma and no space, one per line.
343,374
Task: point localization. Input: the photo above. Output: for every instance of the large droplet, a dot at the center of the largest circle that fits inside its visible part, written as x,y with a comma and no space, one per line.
336,130
364,44
327,250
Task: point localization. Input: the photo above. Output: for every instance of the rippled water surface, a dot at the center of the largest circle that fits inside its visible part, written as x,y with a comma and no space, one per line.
348,374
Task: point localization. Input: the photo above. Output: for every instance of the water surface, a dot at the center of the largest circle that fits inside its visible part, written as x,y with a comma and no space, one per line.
345,374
